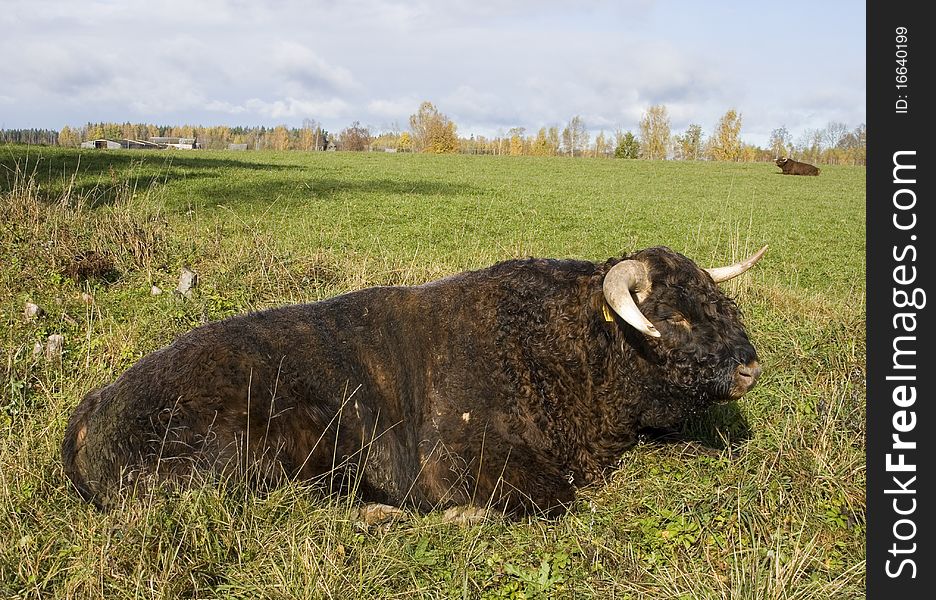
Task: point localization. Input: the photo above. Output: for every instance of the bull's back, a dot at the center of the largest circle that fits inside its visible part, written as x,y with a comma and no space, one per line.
264,395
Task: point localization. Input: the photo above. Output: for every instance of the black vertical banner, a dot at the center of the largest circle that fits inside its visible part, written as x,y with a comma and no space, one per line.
900,269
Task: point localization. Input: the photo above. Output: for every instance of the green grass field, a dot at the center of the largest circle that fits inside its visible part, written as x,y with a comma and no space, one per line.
763,498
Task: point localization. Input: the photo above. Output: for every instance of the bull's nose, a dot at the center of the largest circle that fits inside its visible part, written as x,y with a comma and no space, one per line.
746,375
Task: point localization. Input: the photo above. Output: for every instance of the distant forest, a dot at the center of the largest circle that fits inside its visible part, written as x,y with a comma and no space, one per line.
432,131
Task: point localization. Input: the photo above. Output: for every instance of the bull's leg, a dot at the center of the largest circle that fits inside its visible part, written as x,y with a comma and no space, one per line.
466,515
489,473
377,514
515,481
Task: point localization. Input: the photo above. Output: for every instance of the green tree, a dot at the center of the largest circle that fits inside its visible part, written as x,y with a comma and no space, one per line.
627,146
688,146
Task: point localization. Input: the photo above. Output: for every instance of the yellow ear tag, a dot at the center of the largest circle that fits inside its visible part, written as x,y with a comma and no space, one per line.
608,315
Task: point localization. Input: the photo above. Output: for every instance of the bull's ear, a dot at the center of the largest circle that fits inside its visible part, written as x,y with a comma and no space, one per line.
720,274
621,280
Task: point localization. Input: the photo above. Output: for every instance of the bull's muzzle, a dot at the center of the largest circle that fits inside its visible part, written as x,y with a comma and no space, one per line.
745,378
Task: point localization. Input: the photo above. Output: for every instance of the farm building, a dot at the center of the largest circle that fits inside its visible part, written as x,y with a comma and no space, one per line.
179,143
105,144
102,144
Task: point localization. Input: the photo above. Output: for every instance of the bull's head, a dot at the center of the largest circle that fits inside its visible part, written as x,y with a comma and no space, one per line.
781,161
690,325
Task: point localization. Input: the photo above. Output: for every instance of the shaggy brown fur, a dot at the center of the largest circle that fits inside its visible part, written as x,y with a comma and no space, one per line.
505,385
792,167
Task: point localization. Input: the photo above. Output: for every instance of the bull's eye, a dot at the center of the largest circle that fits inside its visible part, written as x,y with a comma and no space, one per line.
676,318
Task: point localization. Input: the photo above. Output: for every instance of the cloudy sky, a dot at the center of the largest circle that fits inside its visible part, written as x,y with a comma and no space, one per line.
489,65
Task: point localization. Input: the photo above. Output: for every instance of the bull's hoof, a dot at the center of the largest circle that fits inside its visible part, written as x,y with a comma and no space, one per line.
466,516
377,514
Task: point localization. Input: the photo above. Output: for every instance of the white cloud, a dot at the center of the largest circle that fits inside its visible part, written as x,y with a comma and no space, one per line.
296,107
300,65
60,68
225,107
474,105
397,108
488,64
173,99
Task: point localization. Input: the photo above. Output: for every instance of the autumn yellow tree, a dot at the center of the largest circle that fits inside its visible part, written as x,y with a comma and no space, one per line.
852,147
601,145
94,131
184,131
443,139
404,143
725,143
69,137
279,140
655,133
516,140
306,139
541,145
432,131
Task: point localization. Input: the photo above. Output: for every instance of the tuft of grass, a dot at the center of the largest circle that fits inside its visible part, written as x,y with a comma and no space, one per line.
763,498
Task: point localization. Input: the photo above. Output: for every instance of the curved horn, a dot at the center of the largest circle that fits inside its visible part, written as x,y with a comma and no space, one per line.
720,274
625,277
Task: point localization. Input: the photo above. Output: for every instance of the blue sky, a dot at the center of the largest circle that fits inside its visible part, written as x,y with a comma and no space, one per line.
488,65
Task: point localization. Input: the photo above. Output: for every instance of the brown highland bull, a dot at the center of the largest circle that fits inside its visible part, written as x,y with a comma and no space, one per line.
793,167
505,387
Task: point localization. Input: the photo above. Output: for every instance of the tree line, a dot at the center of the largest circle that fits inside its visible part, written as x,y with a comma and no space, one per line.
432,131
34,137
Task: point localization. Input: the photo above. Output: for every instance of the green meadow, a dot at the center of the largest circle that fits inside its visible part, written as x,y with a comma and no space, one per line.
761,498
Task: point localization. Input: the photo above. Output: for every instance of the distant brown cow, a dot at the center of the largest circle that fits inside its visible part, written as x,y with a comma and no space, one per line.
793,167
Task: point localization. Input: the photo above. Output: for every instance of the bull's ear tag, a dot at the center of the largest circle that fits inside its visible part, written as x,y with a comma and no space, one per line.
608,315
